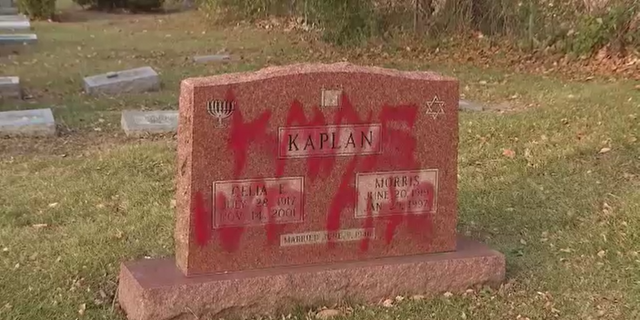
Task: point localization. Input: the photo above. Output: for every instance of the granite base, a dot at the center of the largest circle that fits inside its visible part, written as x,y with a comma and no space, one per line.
156,289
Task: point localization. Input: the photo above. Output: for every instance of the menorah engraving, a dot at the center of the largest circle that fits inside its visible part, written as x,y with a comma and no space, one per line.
221,109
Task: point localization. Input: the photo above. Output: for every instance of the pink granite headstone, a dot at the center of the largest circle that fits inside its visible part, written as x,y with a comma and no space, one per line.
332,170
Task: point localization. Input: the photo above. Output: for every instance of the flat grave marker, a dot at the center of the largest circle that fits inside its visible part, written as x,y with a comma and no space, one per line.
35,123
10,88
310,183
466,105
136,80
14,25
139,123
212,58
17,39
17,17
8,11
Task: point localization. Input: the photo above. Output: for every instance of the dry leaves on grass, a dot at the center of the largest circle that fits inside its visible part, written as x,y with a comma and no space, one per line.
327,313
509,153
604,150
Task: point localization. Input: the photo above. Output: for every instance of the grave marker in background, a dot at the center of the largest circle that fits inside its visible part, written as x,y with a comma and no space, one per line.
212,58
465,105
128,81
17,39
139,123
311,183
15,25
10,88
34,123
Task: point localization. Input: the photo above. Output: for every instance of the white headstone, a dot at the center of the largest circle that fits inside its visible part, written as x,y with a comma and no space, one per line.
15,25
17,17
138,123
10,87
13,39
8,11
38,122
127,81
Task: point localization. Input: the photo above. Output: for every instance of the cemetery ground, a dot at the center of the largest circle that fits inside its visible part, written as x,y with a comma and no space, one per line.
552,179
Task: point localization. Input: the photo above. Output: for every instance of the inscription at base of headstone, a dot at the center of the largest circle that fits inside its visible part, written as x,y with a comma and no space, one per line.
10,88
18,39
136,80
301,177
36,123
139,123
212,58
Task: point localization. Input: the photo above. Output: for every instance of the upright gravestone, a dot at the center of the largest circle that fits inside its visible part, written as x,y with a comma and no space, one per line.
311,183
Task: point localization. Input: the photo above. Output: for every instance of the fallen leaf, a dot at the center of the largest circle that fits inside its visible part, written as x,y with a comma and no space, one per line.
387,303
172,204
601,253
509,153
604,150
40,225
399,298
637,87
53,205
417,297
83,308
327,313
448,294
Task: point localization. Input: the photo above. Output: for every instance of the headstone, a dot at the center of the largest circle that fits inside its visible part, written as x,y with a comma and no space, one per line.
138,123
18,39
8,11
38,122
18,17
14,25
311,183
128,81
10,88
212,58
465,105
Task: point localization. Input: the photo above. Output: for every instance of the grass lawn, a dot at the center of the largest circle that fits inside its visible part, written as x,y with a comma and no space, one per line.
565,210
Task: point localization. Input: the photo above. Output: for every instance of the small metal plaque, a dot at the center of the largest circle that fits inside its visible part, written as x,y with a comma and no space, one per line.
111,75
331,98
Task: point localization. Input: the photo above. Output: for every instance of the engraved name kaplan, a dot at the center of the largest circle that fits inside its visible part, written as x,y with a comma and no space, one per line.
331,140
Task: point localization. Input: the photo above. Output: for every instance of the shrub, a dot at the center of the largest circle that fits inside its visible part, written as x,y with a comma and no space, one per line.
38,9
341,21
614,27
344,22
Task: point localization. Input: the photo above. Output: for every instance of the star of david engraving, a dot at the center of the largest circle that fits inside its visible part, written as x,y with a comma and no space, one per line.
435,107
